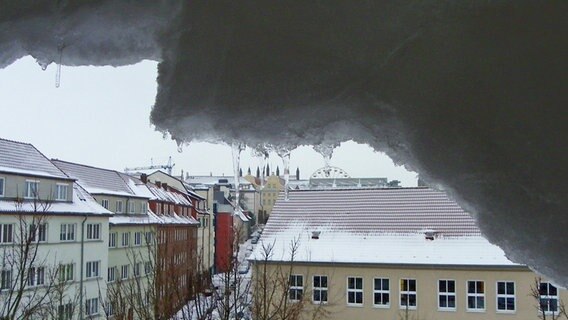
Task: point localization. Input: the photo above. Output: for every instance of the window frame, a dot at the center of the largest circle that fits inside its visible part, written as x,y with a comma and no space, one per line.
475,295
6,236
65,311
112,239
103,202
131,207
66,272
138,238
92,307
447,294
28,190
121,206
408,293
125,235
549,298
122,272
382,292
505,296
93,229
293,287
320,289
355,291
93,269
2,187
58,188
6,279
64,236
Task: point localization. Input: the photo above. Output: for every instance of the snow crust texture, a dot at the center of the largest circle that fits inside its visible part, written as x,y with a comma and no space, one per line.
470,94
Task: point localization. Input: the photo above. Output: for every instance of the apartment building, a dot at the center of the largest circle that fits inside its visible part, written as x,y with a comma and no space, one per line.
395,253
53,240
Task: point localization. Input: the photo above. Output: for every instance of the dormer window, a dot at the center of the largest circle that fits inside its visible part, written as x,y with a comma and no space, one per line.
2,183
131,206
119,206
32,189
61,192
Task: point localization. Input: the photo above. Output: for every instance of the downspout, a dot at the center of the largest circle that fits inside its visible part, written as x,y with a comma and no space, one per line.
82,269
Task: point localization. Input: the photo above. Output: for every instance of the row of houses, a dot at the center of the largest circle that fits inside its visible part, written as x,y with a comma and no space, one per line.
81,242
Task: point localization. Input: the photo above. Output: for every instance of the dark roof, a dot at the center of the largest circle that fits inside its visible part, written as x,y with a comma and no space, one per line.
385,210
24,158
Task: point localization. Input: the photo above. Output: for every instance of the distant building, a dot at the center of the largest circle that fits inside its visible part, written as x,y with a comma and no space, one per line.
393,253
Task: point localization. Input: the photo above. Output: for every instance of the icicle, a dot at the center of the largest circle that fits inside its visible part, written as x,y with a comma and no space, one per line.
237,148
58,72
180,146
285,155
42,64
326,150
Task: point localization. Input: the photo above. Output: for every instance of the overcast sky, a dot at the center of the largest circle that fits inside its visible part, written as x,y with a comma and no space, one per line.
100,116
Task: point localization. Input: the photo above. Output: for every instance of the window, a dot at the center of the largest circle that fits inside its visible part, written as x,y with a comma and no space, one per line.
104,203
32,189
111,274
475,295
548,298
320,289
61,192
6,279
354,291
92,306
66,272
137,267
67,232
6,233
124,272
144,207
2,189
112,240
131,206
296,287
93,269
408,293
147,267
149,237
447,295
38,232
381,293
93,231
126,239
137,238
36,276
506,296
65,311
119,206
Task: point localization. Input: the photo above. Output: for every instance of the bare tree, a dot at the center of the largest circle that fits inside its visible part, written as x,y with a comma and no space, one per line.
548,302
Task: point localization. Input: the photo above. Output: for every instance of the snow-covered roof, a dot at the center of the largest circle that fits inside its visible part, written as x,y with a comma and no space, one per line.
152,218
376,226
97,180
25,159
82,203
212,180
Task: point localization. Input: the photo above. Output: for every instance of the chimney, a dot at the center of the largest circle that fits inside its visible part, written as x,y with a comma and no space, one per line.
144,178
158,184
165,186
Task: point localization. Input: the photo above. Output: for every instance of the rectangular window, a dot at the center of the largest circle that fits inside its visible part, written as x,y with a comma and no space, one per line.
137,238
65,311
124,272
92,306
475,295
38,232
447,295
111,274
6,279
93,231
296,291
67,232
548,298
137,267
505,296
125,239
119,206
6,233
408,293
104,203
355,291
2,189
131,206
32,189
320,289
92,270
36,276
381,292
149,237
112,240
147,267
66,272
61,192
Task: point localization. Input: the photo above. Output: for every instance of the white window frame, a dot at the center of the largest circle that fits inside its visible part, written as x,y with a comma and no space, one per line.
137,269
149,237
36,276
147,267
125,239
65,236
131,206
505,296
93,269
476,295
138,235
6,279
65,311
93,231
66,272
296,288
320,289
353,289
61,191
447,294
112,239
92,307
120,208
2,187
105,203
382,292
546,298
29,193
6,233
124,272
38,232
408,293
111,274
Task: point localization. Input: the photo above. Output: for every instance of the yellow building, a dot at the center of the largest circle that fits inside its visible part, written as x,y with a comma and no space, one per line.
398,253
